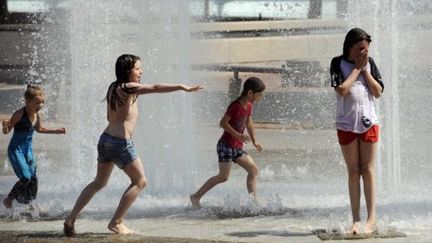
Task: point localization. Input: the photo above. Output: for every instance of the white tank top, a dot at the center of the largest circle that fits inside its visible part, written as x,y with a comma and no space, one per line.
355,112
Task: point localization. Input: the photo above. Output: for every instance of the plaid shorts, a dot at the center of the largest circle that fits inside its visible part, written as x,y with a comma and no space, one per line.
227,153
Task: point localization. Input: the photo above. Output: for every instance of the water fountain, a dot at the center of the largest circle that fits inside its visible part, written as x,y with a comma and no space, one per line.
302,179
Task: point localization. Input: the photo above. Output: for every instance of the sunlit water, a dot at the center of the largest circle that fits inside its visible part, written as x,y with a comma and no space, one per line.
302,181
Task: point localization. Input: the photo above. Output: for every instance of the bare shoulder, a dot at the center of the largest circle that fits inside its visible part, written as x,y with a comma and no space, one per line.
127,89
132,85
140,89
16,116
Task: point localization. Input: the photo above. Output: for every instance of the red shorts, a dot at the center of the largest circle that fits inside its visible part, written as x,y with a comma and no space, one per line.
370,135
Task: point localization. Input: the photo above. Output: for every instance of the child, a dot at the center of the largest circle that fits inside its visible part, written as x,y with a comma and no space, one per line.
24,122
358,83
115,144
230,145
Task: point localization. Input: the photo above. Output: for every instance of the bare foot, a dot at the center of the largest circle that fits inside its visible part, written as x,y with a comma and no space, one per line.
355,229
370,228
119,228
255,201
195,202
68,229
7,202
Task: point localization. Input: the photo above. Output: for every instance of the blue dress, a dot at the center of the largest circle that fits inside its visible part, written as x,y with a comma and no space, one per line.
20,154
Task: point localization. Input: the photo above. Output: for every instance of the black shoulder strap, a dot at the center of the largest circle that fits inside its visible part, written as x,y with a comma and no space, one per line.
24,114
336,72
375,73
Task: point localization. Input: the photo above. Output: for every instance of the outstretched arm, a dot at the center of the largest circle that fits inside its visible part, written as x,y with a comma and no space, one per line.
40,127
161,88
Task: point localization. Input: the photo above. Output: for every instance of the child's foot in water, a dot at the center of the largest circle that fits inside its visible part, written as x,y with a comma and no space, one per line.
7,202
370,227
195,202
68,229
355,229
119,228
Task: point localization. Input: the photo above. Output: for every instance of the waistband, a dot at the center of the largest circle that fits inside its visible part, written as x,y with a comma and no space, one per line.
111,137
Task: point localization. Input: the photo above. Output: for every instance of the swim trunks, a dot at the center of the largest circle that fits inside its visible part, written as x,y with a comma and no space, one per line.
121,151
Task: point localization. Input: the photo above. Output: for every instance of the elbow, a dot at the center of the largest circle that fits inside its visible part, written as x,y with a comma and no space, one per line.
249,126
221,123
341,91
40,130
377,94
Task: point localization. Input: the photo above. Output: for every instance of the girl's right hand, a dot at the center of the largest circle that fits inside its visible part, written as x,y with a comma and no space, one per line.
362,59
245,138
6,124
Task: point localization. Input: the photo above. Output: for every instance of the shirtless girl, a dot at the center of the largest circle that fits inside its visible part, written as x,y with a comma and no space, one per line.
115,144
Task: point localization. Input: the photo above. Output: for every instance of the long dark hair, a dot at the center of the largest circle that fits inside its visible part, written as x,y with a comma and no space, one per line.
353,36
123,68
254,84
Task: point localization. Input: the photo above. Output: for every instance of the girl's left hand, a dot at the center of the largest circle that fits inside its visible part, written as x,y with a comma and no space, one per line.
258,147
61,130
362,59
192,89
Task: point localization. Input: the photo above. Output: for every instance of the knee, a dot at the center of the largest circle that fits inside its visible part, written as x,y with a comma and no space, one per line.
140,183
367,171
98,185
354,173
253,171
222,178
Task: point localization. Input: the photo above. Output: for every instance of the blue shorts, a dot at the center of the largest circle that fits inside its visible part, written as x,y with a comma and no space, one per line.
227,153
121,151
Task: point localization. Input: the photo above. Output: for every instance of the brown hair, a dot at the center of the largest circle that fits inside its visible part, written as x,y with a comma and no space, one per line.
352,37
33,91
123,69
254,84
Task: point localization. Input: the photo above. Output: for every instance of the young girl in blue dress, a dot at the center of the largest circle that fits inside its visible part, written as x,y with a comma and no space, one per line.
24,122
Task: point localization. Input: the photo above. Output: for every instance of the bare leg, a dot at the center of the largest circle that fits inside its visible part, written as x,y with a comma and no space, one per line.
367,163
352,159
247,163
103,173
135,171
224,172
